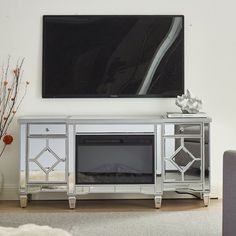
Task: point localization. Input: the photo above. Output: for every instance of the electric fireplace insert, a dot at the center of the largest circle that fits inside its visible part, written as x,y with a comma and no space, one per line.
115,159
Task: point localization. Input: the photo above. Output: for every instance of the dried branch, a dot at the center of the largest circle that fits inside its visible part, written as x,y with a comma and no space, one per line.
11,97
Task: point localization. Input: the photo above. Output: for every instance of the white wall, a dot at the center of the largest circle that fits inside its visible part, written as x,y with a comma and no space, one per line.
210,60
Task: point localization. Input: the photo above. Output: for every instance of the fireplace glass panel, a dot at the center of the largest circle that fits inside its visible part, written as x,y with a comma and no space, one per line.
115,159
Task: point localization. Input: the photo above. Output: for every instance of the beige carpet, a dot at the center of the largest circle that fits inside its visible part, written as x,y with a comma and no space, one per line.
155,223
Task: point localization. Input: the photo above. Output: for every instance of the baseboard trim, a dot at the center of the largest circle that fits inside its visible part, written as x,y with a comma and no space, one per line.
9,192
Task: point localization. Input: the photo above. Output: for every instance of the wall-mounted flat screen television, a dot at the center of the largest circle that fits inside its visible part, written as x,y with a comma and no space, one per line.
86,56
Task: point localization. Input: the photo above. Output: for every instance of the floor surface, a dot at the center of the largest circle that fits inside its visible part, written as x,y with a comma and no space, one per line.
119,217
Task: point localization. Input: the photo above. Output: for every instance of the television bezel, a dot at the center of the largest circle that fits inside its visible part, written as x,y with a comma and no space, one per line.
46,95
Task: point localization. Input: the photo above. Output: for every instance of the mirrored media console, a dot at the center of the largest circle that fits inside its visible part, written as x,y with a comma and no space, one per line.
82,155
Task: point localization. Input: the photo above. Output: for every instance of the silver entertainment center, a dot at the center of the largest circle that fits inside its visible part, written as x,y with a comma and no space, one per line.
81,155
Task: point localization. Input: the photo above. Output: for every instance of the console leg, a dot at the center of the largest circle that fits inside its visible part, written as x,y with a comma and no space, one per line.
29,197
23,200
72,202
201,196
157,201
206,199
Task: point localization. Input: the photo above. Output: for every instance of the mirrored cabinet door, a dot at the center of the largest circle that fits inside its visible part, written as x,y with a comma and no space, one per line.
46,160
182,159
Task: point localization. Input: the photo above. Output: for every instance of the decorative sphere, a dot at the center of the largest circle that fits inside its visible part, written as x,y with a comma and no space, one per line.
7,139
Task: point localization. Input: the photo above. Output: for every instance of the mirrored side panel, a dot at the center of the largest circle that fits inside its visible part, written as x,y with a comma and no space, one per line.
71,159
206,150
23,154
158,147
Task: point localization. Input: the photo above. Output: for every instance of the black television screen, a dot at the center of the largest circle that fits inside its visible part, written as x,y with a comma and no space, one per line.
113,56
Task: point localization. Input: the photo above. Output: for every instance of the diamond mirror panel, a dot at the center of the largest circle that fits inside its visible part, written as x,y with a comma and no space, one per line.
47,159
194,146
171,145
182,159
58,147
194,172
36,174
172,174
36,145
58,173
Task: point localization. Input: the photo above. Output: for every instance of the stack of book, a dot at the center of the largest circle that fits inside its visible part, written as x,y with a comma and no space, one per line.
186,115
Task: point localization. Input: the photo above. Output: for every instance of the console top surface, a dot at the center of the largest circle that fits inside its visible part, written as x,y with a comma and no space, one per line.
110,119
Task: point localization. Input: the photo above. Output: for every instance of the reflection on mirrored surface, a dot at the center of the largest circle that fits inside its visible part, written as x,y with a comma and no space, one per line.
207,156
58,173
36,173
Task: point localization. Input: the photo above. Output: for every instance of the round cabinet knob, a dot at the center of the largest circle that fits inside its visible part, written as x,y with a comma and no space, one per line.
181,129
47,129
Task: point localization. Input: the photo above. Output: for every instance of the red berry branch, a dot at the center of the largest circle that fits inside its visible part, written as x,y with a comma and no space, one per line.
12,93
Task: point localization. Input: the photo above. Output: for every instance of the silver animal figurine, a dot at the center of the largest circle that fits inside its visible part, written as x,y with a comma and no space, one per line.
188,103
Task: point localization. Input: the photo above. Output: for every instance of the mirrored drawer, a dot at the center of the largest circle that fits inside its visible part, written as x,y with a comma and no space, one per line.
182,129
114,128
47,129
